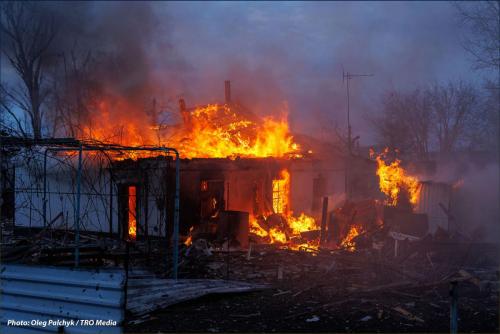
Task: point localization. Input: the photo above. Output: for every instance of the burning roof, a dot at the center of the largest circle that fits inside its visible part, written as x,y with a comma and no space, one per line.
219,131
210,131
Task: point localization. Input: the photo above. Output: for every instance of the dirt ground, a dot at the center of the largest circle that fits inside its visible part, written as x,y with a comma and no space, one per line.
338,292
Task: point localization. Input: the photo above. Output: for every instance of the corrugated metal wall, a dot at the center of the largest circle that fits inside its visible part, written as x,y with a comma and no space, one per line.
431,194
33,293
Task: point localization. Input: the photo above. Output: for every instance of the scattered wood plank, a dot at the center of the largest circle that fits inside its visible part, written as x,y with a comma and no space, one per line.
408,315
147,295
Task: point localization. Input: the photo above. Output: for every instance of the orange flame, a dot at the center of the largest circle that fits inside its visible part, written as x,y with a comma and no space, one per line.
132,222
295,224
189,239
216,131
281,192
277,236
348,242
211,131
256,229
302,223
393,179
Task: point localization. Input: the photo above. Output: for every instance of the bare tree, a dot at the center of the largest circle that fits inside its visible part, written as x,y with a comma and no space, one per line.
488,133
9,116
482,41
391,130
75,92
27,33
456,111
405,122
441,118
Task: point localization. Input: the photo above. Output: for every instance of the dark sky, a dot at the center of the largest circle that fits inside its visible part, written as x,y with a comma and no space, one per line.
278,55
294,52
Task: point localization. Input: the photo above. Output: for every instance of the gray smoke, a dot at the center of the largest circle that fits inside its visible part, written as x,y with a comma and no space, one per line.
273,53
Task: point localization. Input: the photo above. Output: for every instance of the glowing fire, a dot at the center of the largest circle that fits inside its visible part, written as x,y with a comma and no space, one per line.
132,222
117,122
281,192
216,131
277,236
393,179
295,225
348,242
256,229
302,223
211,131
189,239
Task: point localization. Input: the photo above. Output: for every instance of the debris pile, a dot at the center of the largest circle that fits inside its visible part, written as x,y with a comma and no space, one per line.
339,290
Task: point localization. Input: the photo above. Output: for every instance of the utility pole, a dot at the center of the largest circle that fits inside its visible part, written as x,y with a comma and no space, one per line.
346,77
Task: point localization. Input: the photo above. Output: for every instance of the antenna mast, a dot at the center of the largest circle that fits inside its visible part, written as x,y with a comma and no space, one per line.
346,77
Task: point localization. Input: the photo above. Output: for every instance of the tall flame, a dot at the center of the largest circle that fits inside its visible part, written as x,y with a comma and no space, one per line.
216,131
211,131
295,224
393,179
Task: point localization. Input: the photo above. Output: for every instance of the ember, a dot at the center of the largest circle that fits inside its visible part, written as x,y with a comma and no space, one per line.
189,239
348,242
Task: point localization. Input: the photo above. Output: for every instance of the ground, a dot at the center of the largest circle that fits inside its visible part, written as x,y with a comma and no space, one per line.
337,292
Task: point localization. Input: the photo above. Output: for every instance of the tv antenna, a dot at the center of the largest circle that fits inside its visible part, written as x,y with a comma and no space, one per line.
346,77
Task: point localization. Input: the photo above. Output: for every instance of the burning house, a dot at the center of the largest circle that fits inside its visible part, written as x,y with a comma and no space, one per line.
242,178
237,182
346,182
231,160
232,163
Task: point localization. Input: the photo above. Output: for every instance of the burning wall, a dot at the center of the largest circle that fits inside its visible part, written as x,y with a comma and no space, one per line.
263,187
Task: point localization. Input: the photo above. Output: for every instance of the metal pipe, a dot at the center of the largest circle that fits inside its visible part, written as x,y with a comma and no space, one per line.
145,196
77,213
324,214
45,188
110,202
453,307
176,213
126,265
1,183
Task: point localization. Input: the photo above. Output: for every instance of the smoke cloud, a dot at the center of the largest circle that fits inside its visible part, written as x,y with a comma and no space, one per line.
275,54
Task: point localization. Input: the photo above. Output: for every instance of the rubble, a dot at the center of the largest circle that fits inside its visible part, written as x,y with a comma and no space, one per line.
385,279
331,290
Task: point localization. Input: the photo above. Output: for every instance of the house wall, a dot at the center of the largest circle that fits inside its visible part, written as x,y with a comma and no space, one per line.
99,196
61,198
247,187
330,183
